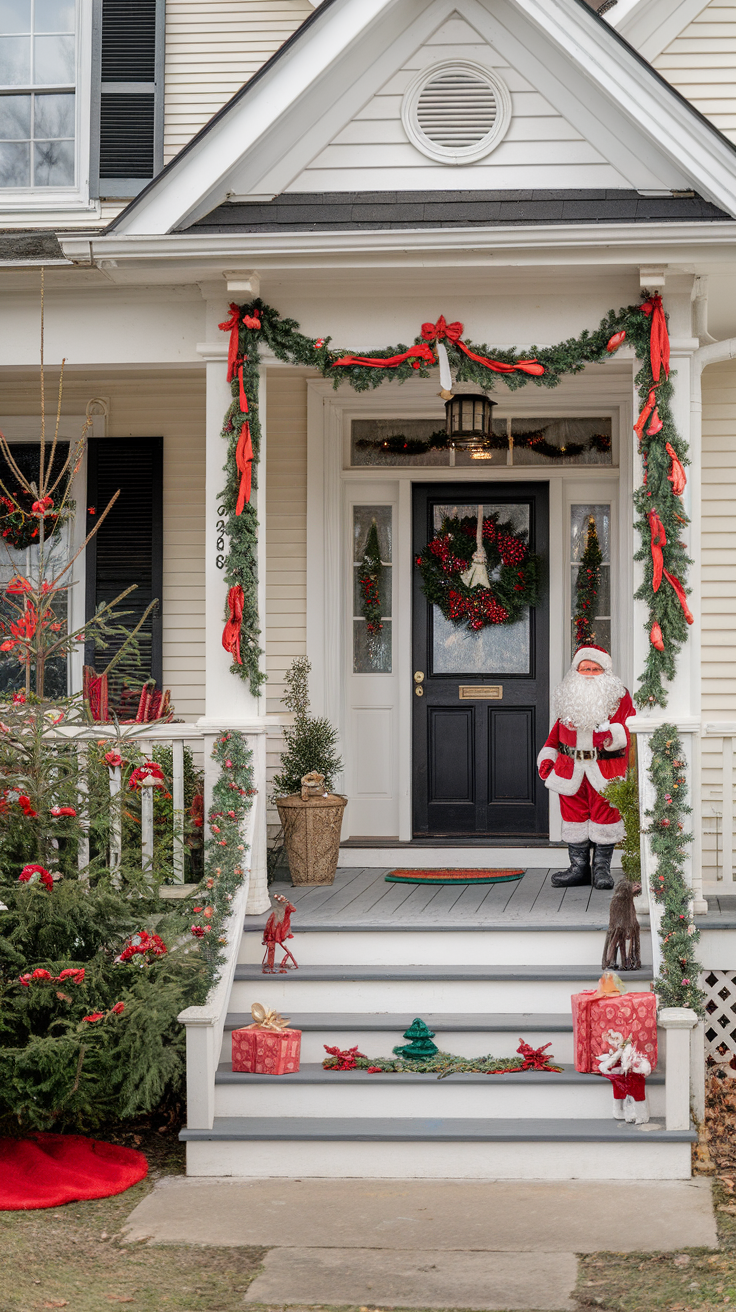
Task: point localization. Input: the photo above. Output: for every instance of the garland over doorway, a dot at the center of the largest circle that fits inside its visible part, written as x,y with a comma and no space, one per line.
660,516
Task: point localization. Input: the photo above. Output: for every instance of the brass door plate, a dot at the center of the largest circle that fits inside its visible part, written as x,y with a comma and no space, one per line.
472,692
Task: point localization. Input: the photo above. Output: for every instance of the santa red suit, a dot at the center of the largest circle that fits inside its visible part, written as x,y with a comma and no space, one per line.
587,747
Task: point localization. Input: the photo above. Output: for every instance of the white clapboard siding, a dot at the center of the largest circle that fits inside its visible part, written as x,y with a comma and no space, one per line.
212,48
286,540
156,403
718,580
701,64
540,149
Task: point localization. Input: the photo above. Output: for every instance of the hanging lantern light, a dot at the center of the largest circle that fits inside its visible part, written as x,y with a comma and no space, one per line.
469,419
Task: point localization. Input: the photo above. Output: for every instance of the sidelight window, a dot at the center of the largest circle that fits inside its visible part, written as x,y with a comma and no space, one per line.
372,589
37,93
580,517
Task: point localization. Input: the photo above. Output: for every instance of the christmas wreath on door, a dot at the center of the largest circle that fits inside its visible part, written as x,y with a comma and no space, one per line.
479,571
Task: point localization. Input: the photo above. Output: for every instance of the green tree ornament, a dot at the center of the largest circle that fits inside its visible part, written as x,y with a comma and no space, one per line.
421,1047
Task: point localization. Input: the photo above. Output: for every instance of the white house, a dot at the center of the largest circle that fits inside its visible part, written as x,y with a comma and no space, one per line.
521,167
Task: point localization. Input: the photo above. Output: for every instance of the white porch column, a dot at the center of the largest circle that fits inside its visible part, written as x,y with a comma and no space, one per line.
229,703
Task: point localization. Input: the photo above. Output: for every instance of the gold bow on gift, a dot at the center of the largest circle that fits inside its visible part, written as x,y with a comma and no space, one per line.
266,1019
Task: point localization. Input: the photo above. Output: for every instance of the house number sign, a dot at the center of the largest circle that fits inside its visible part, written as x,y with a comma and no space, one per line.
220,543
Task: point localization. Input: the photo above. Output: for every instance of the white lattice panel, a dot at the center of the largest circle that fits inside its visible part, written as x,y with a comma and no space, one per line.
719,987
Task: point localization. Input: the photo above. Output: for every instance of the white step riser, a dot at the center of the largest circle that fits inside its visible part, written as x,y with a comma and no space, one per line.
441,1098
412,996
285,1159
381,1044
450,948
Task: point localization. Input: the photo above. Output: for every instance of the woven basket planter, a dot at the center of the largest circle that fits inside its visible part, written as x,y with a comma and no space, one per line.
312,836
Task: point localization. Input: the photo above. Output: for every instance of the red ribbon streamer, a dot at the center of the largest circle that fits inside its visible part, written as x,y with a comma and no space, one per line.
231,631
680,592
650,404
420,352
243,398
659,540
244,463
232,326
432,332
659,340
677,475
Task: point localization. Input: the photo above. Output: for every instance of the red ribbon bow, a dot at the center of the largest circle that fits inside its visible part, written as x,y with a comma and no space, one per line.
659,341
436,332
244,463
231,631
232,326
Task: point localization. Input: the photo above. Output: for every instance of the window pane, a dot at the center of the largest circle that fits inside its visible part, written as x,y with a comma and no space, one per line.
15,61
54,116
579,516
15,15
604,589
54,16
53,164
15,118
53,60
363,517
374,656
15,164
372,651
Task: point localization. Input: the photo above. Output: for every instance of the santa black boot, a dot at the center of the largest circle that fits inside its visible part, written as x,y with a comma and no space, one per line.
578,872
602,877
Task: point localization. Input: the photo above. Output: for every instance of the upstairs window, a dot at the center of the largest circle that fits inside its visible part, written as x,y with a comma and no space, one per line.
38,61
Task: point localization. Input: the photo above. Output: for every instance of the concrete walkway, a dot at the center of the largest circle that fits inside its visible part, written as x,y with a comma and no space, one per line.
425,1244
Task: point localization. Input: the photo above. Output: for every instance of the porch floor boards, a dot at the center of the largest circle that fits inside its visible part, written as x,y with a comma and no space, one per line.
361,899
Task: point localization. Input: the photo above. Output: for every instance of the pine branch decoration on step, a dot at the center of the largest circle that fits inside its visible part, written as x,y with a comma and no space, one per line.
586,587
677,984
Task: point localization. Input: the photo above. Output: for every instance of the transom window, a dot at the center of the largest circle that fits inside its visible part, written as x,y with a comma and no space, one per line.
37,93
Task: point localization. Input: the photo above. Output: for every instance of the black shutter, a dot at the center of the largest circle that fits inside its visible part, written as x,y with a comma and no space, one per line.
128,109
128,547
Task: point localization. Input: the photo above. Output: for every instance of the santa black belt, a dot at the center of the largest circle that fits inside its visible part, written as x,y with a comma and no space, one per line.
592,755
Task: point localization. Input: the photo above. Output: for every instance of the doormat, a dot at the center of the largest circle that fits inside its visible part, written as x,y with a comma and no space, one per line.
453,876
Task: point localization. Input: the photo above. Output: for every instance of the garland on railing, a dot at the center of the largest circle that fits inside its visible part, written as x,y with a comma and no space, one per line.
664,453
677,984
226,856
587,584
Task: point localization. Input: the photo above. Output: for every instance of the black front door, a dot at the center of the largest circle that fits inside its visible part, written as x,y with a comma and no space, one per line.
480,699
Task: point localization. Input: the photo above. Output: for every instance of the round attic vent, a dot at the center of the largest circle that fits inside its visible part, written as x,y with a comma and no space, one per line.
456,112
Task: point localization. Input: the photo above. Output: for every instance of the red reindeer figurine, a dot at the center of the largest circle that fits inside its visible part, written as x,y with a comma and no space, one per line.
278,929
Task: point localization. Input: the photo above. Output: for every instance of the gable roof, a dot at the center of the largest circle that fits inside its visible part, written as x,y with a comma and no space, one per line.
345,50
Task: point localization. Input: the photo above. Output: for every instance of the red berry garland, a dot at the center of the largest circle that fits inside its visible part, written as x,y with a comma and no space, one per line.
513,573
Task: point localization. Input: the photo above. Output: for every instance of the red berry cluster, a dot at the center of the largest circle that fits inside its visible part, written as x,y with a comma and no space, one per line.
481,610
512,549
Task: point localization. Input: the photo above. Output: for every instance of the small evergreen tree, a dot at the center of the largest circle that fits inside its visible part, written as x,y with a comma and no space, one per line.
311,742
623,793
421,1047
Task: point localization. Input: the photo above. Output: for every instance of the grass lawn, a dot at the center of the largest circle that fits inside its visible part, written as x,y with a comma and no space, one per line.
72,1256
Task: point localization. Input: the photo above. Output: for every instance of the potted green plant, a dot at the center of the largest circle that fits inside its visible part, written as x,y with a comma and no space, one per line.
310,813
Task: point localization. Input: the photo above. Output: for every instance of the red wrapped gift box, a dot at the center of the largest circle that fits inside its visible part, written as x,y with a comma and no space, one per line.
266,1052
630,1014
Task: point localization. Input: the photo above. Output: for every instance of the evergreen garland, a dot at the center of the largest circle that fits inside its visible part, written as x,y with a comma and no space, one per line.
514,570
370,572
677,985
660,446
398,445
587,584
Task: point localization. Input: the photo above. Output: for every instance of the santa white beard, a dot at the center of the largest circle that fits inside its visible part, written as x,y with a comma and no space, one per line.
585,701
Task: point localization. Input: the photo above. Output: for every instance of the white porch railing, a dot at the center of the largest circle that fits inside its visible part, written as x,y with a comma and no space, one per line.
718,801
205,1025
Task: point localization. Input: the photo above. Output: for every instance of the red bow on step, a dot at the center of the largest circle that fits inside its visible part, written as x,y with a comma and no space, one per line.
244,463
231,631
659,341
232,326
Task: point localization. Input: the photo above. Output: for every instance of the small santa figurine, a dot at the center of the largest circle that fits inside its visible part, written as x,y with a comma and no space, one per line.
588,746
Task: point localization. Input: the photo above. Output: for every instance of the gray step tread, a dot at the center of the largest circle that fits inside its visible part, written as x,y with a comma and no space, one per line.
315,1073
461,1023
313,925
542,974
440,1129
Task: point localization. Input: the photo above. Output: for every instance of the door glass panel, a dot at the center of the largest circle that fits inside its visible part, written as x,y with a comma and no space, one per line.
497,649
372,650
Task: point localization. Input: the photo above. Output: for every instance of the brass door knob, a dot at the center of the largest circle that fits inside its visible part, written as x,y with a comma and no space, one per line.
418,676
419,691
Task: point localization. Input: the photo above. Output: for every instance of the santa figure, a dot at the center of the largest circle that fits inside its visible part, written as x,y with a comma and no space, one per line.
588,746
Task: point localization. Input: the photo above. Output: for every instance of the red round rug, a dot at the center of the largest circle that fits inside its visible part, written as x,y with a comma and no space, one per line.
47,1170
